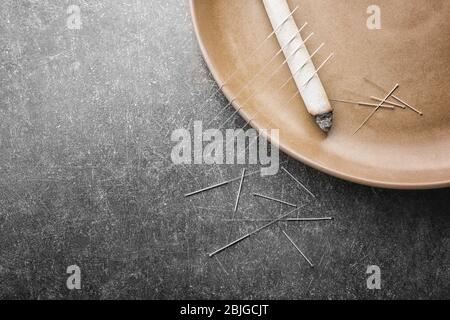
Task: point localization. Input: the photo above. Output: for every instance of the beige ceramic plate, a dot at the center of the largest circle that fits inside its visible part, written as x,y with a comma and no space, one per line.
396,149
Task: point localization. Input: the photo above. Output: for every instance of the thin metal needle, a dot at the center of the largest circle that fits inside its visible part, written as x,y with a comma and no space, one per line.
298,182
239,191
260,46
312,55
387,102
377,108
312,76
298,249
276,200
252,54
395,97
219,184
302,66
222,183
235,242
268,79
255,76
318,69
292,76
285,220
362,103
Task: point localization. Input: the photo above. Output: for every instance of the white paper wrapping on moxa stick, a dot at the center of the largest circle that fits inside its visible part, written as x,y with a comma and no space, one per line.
313,94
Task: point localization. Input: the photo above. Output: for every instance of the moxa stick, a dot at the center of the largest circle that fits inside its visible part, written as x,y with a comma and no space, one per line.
313,94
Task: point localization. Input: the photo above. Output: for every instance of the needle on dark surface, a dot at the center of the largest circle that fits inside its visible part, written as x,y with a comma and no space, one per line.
239,191
235,242
298,182
298,249
273,199
219,184
284,220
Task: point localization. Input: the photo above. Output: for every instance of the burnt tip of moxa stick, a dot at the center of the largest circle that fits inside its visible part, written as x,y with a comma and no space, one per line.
325,121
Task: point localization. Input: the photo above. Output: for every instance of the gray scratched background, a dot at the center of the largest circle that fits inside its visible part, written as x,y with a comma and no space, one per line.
86,177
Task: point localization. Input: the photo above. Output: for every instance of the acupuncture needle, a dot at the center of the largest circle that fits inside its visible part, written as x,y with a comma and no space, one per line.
395,97
256,139
312,76
302,66
269,78
282,86
251,54
298,249
285,220
260,46
239,191
362,103
219,184
377,108
235,242
273,199
255,76
318,69
387,102
298,182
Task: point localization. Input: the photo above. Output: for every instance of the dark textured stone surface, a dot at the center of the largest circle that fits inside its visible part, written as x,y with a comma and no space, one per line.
86,177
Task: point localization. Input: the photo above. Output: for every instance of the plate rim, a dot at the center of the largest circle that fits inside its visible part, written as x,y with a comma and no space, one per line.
295,155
